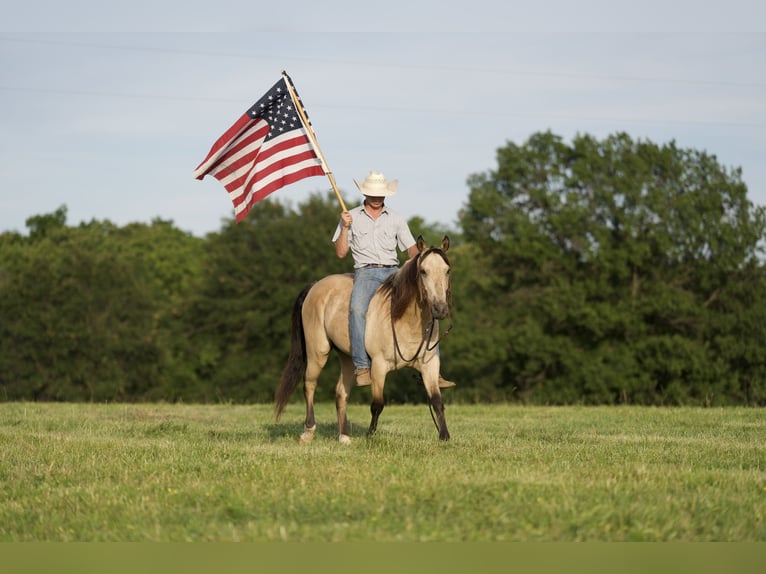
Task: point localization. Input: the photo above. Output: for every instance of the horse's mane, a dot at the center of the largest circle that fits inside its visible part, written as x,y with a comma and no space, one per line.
403,286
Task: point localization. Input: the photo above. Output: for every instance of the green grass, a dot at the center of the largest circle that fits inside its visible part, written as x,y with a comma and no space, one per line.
75,472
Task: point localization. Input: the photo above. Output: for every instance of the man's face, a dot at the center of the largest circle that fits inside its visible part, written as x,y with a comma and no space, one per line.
375,200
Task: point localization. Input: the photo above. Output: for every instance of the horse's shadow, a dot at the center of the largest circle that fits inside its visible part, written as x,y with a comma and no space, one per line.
328,430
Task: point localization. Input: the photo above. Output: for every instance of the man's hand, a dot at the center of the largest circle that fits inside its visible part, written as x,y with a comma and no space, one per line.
341,244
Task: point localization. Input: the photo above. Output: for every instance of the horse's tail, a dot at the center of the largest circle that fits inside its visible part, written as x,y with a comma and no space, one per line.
295,369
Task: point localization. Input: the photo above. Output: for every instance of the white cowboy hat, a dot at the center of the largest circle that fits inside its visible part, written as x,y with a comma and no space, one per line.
376,185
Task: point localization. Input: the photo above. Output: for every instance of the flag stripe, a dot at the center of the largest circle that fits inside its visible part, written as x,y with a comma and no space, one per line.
246,147
262,156
301,171
279,166
267,148
221,146
250,173
241,189
282,165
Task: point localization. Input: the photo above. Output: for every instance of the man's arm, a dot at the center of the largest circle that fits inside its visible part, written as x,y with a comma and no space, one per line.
341,244
405,236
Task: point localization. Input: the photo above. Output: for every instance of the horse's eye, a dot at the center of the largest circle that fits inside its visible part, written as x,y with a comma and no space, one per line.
423,272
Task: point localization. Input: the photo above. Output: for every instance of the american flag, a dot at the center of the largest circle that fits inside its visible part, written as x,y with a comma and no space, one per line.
266,149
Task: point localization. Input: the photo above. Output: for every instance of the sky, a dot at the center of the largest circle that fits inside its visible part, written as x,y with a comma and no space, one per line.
108,107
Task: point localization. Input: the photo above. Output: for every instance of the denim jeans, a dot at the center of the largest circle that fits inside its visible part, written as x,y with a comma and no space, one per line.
366,281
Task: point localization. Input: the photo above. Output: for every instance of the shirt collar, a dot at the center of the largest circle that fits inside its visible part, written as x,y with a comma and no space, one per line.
363,210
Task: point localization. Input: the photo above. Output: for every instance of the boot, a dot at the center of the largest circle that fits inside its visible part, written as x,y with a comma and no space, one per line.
363,378
445,384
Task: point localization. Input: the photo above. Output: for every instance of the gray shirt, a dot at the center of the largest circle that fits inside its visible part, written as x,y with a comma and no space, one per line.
374,241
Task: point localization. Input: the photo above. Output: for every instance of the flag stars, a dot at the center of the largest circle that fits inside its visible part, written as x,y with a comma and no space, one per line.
278,110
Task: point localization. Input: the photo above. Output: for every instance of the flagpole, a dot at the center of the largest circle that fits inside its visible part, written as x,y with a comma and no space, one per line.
312,135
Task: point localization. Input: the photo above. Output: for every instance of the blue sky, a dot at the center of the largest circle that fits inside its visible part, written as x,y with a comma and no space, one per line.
107,107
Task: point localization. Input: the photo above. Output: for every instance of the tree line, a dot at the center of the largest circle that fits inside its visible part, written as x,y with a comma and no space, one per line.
614,271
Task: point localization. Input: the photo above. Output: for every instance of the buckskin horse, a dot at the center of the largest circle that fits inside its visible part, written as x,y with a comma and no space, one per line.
402,331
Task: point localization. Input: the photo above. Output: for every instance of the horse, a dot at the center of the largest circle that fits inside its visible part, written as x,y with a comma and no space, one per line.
402,330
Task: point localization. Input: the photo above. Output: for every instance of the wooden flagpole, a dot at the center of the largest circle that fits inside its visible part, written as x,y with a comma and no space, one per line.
312,135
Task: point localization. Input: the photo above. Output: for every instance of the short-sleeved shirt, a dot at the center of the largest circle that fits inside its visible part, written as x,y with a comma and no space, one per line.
374,241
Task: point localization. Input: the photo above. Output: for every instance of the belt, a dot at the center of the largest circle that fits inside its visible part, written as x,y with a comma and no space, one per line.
376,266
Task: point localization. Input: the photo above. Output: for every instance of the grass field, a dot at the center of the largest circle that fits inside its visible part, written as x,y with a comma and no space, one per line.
77,472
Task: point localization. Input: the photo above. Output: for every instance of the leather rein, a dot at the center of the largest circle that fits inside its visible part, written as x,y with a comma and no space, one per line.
428,331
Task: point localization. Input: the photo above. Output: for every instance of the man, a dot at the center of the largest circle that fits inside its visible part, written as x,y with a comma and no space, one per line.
372,232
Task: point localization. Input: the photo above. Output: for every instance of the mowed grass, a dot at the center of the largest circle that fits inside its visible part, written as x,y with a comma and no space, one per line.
86,472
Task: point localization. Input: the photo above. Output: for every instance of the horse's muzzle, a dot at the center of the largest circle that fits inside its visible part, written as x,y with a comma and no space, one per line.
440,309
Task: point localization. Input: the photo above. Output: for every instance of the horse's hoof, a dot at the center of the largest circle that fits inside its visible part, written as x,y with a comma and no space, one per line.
306,438
344,439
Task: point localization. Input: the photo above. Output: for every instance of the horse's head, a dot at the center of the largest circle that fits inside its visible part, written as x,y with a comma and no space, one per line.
434,277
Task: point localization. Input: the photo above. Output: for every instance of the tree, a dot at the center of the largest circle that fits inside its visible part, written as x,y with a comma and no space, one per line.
40,226
610,257
239,321
90,312
595,271
72,308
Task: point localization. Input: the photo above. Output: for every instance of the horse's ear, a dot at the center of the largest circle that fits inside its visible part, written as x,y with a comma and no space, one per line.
421,243
445,244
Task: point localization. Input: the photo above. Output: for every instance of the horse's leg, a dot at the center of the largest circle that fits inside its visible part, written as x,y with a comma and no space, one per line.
315,363
310,425
378,376
342,391
431,383
438,406
376,407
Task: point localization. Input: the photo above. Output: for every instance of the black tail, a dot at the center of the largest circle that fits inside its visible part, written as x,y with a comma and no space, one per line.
295,369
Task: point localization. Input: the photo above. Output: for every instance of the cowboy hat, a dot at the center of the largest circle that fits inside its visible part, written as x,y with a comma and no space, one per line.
376,185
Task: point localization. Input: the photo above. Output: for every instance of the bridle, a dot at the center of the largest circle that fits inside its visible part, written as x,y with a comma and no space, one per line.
428,331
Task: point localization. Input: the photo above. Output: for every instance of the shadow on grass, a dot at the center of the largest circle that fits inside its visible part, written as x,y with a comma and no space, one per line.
328,430
235,435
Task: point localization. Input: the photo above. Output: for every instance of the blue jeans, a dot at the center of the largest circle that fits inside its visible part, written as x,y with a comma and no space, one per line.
366,282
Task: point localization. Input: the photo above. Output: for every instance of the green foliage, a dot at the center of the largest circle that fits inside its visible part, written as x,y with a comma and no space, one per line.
41,225
591,272
87,311
239,320
613,262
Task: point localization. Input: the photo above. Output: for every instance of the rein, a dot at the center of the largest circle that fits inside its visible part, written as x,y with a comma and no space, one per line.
424,340
427,333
